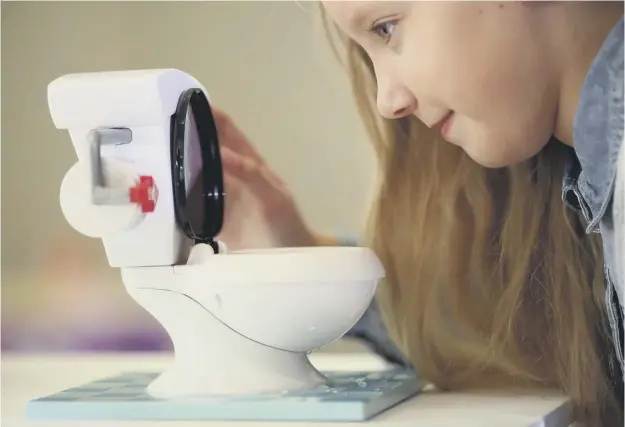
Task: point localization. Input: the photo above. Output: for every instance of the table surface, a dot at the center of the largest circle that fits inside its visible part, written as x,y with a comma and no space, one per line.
26,377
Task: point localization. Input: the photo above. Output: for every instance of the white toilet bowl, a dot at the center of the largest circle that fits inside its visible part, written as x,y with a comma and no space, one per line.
244,322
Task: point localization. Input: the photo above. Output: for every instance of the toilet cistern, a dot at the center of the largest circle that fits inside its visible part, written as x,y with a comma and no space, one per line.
149,183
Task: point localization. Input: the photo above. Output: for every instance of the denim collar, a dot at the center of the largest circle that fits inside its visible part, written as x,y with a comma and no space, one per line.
597,133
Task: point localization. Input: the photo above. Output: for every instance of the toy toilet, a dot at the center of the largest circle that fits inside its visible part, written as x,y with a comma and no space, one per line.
148,182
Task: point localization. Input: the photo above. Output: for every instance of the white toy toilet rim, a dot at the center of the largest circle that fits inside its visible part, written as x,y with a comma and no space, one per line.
287,265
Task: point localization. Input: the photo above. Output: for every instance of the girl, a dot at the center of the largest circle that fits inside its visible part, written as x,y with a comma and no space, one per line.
497,127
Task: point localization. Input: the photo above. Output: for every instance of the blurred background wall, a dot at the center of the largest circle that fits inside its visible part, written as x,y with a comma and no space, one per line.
266,63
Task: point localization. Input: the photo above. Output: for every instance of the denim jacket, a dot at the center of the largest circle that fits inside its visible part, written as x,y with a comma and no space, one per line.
588,187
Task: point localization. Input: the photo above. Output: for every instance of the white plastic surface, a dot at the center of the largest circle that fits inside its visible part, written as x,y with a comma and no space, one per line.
140,97
143,101
98,220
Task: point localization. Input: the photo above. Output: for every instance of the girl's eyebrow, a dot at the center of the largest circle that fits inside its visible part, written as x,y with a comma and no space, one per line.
359,14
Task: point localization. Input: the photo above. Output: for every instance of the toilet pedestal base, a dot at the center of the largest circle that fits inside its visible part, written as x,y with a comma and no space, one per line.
211,359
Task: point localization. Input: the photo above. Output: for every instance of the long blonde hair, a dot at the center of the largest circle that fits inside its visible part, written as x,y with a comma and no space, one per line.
491,280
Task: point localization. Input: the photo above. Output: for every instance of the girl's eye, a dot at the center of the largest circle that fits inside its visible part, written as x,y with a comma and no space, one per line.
384,30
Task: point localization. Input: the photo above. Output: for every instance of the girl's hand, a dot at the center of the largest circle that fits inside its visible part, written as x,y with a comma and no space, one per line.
260,209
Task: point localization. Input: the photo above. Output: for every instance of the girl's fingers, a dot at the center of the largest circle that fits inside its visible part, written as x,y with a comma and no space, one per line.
256,177
233,162
232,137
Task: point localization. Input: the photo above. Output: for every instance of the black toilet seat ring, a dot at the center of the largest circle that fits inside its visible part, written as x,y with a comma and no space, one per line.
199,214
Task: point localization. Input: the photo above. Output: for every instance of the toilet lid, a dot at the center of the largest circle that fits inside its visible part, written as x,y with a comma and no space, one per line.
196,169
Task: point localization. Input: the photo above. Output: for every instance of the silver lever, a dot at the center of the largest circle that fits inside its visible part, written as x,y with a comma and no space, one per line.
100,193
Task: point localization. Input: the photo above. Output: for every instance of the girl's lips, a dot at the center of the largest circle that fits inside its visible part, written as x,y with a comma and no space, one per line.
446,124
443,122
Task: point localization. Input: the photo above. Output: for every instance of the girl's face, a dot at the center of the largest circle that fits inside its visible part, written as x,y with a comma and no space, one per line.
479,71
